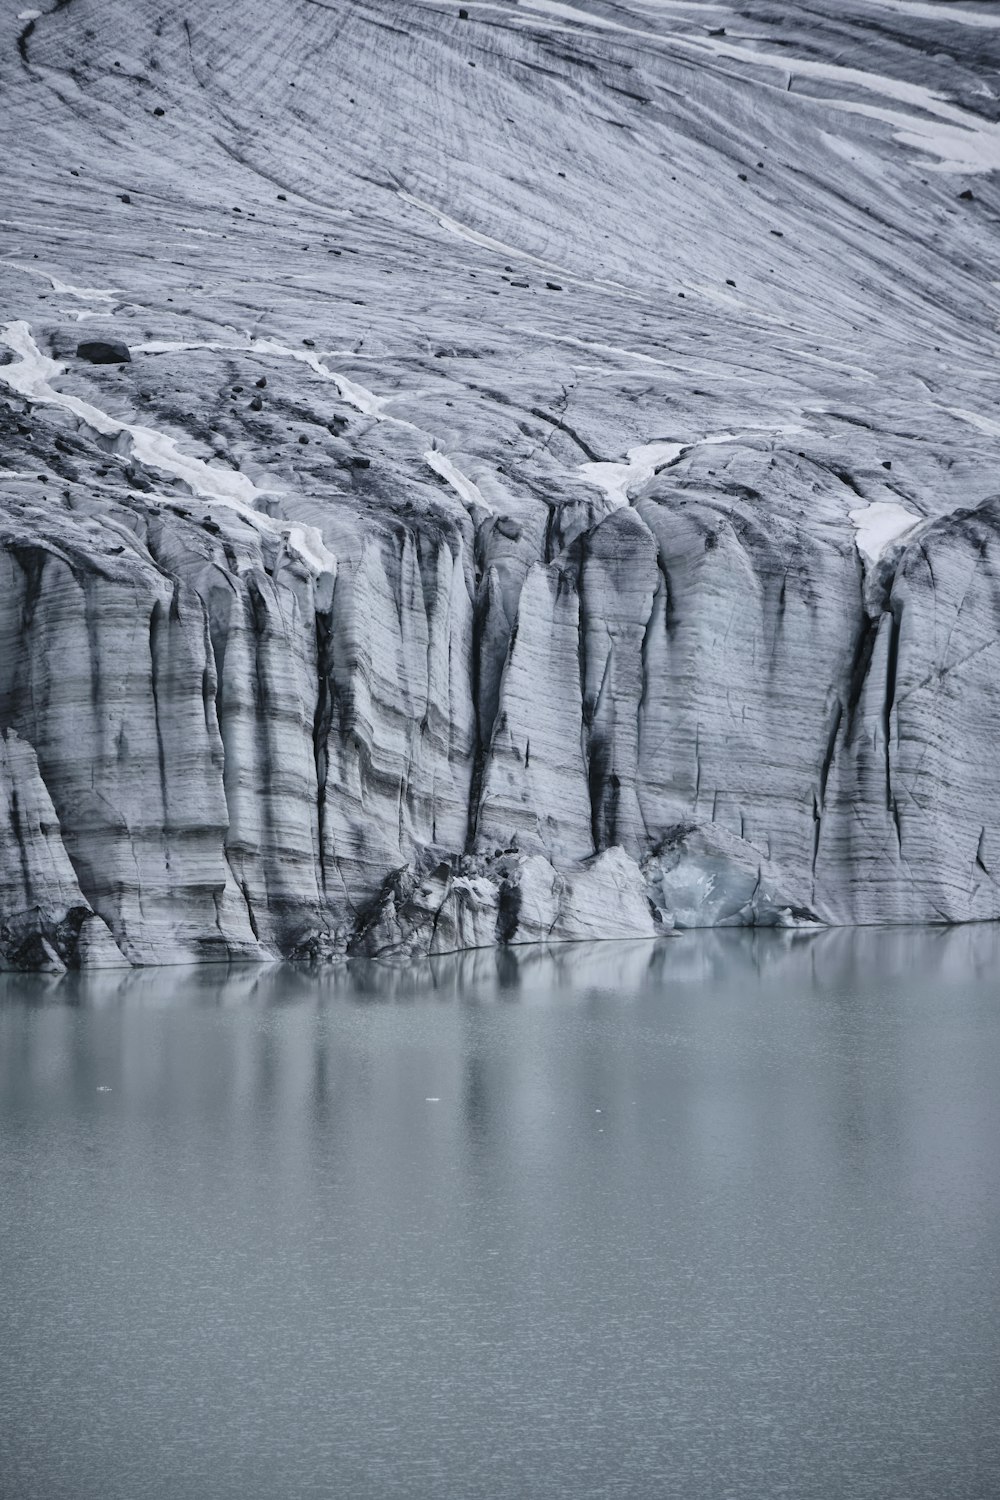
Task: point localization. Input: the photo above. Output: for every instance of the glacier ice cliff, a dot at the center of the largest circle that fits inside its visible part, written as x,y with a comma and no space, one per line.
551,493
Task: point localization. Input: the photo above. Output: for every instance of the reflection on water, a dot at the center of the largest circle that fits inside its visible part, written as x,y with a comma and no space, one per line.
827,958
838,957
711,1216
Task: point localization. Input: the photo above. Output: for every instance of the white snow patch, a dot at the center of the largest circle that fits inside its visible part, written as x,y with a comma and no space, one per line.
355,395
688,5
563,12
86,293
619,480
964,142
33,377
28,15
307,543
985,424
880,524
719,438
177,346
476,885
570,13
922,11
83,315
957,148
467,492
967,143
508,11
358,396
569,338
642,462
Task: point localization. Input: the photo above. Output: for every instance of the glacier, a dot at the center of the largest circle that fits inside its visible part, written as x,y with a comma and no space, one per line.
552,492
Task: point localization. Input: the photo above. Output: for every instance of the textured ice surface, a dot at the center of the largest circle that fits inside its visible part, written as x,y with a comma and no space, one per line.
552,493
880,524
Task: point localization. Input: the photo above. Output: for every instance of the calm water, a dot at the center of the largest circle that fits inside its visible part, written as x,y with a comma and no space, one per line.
718,1217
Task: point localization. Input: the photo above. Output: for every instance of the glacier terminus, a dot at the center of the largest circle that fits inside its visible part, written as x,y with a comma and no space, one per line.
491,474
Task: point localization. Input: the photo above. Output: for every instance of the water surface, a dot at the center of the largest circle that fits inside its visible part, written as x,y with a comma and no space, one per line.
714,1217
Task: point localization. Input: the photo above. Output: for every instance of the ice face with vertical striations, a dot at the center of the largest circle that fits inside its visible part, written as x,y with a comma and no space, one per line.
552,492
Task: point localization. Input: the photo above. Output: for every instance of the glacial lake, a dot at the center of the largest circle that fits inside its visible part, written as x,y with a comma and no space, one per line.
712,1217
